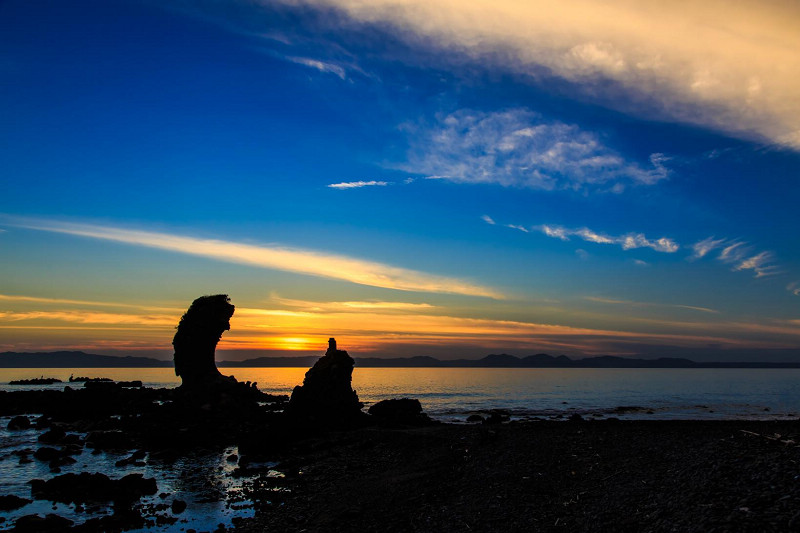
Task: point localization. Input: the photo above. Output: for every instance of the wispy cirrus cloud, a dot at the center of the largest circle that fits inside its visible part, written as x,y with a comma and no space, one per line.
794,288
629,241
322,66
358,184
637,57
702,248
488,220
632,303
309,262
739,255
517,148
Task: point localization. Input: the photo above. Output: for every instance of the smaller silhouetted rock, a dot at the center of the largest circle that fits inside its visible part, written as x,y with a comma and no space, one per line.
575,417
19,422
406,411
36,524
11,502
475,418
178,506
326,398
136,384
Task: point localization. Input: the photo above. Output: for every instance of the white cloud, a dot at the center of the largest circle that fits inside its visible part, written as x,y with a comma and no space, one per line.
488,220
517,148
357,184
553,231
629,241
639,262
794,288
322,66
309,262
729,66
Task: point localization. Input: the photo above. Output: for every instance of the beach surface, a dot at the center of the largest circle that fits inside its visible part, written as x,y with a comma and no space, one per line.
540,476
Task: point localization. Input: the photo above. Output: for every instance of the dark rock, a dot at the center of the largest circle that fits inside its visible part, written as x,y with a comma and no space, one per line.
86,487
11,502
19,422
326,397
108,440
233,458
575,417
53,436
195,342
136,384
134,459
497,417
178,506
475,418
406,411
47,454
36,524
100,385
35,381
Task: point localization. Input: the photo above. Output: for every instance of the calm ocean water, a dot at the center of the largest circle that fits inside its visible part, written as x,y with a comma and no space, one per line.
452,393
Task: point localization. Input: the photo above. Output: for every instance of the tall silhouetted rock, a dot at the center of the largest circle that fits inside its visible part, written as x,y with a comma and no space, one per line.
195,342
326,397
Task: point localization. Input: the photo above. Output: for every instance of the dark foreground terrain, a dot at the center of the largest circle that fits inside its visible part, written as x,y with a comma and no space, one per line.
541,476
399,474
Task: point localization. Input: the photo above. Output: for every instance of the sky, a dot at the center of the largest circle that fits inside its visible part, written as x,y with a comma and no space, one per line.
412,177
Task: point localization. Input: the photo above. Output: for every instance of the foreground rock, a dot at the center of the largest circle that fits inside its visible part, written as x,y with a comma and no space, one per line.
403,411
326,397
86,487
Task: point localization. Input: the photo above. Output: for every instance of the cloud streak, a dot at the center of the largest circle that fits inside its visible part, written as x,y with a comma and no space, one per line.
517,148
638,57
629,241
357,184
275,257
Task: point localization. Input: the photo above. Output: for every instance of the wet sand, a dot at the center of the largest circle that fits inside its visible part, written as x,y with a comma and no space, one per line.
540,476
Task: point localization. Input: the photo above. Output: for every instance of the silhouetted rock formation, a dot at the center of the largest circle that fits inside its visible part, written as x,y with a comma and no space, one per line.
326,397
195,342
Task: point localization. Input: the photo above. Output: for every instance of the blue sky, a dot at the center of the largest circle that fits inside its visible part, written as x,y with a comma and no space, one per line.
412,177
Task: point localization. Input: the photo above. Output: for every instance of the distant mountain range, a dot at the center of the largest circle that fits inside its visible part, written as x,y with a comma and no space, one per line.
88,360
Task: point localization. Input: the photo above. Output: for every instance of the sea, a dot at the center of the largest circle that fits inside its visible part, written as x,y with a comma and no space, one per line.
204,479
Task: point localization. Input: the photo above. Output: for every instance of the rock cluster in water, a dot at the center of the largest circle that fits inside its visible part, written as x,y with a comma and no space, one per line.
326,397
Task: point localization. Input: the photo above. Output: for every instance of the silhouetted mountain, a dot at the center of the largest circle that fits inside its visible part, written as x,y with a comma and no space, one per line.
85,360
75,360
